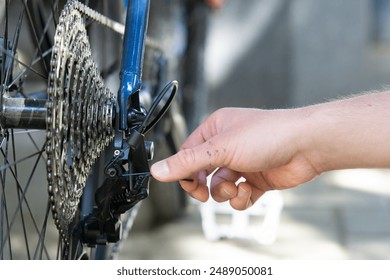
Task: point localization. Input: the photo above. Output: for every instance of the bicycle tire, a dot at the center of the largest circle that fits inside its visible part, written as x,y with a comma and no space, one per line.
180,28
167,27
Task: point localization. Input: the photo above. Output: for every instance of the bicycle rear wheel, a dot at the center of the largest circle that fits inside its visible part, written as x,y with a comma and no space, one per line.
27,228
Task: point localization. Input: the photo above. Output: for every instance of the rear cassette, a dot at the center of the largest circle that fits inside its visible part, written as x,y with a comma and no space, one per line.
79,116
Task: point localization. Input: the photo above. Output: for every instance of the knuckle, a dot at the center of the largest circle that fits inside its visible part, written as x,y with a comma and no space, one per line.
186,157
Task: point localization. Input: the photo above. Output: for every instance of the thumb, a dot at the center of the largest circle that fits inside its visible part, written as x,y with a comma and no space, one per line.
186,162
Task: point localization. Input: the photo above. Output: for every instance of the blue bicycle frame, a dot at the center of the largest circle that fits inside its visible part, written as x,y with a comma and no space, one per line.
133,53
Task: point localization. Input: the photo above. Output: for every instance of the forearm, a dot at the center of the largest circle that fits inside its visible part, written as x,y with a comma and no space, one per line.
349,133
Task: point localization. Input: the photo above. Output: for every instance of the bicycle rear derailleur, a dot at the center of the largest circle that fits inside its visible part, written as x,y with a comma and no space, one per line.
122,189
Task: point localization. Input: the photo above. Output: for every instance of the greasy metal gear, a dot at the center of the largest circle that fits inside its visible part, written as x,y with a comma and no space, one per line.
79,113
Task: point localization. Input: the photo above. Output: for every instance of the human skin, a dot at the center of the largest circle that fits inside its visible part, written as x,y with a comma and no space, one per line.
279,149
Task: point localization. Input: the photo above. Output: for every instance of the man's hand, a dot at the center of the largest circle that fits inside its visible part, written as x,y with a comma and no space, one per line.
260,146
279,149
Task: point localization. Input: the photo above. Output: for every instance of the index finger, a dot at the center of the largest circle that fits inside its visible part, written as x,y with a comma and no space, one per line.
189,161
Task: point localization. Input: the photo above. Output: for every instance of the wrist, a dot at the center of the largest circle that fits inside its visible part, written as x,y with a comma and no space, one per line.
307,138
313,143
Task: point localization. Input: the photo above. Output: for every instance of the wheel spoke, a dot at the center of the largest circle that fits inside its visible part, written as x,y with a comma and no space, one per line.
27,223
41,247
22,204
35,35
27,68
24,53
7,54
14,44
4,211
21,196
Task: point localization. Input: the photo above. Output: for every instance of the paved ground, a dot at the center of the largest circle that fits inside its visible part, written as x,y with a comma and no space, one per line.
341,215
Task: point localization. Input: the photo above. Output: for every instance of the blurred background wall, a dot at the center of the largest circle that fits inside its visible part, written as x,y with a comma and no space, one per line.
282,53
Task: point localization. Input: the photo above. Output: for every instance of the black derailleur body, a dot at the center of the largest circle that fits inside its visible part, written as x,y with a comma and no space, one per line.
126,184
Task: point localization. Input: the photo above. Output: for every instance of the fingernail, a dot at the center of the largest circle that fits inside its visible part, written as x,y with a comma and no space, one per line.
226,194
242,192
160,169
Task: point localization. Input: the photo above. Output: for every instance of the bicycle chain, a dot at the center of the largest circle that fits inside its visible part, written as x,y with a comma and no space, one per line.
79,113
